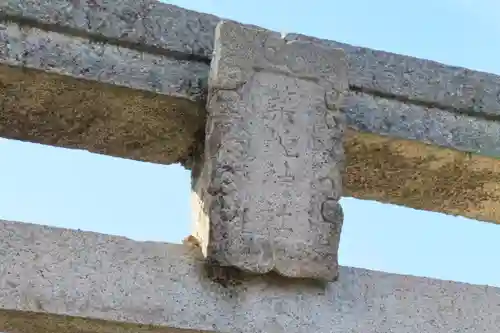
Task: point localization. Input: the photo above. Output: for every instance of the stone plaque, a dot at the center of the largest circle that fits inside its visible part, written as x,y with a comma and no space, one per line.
266,190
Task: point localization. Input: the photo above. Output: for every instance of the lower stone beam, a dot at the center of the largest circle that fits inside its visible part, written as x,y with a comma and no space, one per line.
49,276
12,321
267,188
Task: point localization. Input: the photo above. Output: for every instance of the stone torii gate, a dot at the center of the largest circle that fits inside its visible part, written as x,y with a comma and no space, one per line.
275,129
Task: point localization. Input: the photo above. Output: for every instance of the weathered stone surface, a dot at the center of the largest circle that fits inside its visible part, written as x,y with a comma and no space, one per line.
38,322
105,119
146,24
267,194
388,117
52,52
65,91
413,174
52,107
56,271
418,80
49,106
165,28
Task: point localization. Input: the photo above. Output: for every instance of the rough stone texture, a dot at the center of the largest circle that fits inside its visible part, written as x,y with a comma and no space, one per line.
65,91
421,176
80,58
266,196
77,57
100,277
35,322
388,117
149,24
62,111
52,107
49,109
419,80
146,24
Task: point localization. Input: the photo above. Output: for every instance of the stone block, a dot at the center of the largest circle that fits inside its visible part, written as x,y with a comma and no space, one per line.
266,191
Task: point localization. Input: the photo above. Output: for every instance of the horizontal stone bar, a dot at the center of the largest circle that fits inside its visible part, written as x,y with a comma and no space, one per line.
147,24
389,117
154,26
419,80
118,283
81,58
55,92
421,176
56,106
67,91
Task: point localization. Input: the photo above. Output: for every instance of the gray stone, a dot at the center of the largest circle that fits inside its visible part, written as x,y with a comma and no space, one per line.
47,100
145,24
422,81
80,58
66,91
271,176
388,117
158,27
118,283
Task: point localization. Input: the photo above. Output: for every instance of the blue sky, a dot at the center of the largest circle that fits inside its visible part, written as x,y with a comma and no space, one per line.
76,189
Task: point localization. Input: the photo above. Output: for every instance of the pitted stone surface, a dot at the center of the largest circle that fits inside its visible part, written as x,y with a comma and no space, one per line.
62,111
145,23
80,58
149,24
101,277
267,197
66,91
413,174
77,57
418,80
12,321
388,117
129,123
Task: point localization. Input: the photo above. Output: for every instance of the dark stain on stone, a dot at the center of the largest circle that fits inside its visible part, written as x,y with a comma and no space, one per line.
102,118
429,178
24,322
